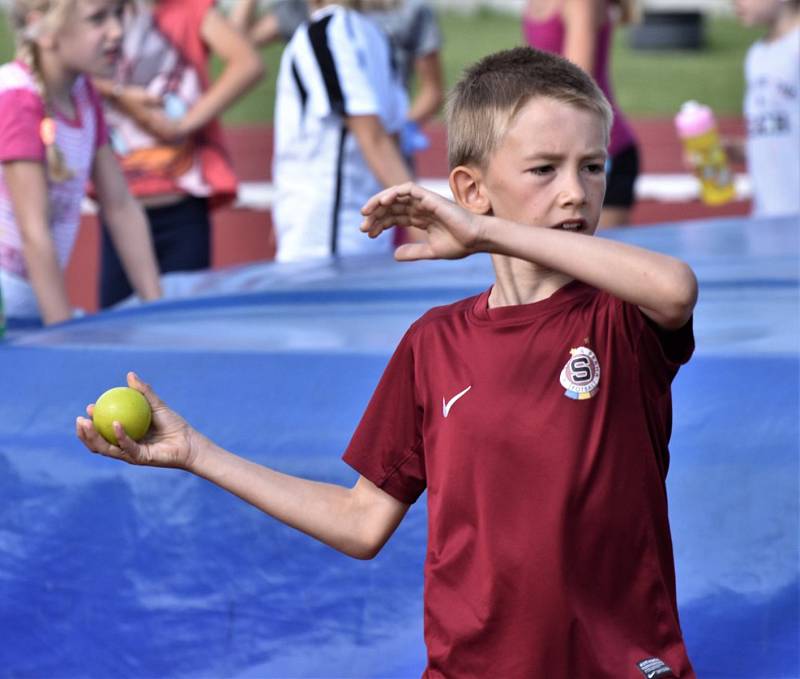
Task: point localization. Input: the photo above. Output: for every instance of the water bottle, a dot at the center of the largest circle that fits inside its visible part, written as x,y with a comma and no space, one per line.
697,129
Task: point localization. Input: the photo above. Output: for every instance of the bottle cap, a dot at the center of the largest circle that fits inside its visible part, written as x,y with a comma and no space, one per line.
694,119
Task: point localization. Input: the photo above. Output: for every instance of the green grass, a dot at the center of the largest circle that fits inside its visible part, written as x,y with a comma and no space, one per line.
647,83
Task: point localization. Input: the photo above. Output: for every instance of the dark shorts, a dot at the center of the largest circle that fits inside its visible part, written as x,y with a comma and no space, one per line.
182,239
621,177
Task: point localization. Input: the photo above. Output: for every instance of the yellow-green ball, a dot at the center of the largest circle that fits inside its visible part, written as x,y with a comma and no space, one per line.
125,405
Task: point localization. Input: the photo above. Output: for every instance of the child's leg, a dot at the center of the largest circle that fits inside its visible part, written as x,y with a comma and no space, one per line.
620,183
182,235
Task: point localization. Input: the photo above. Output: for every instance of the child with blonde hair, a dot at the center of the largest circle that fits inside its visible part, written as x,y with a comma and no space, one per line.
536,414
339,108
53,139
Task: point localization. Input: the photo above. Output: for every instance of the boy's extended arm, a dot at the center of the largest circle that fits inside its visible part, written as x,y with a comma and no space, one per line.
356,521
127,225
663,287
27,188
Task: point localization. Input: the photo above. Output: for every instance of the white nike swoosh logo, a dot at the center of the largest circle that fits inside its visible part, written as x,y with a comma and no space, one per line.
446,406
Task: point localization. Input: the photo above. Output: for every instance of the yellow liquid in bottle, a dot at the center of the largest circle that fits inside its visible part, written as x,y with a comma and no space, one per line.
711,168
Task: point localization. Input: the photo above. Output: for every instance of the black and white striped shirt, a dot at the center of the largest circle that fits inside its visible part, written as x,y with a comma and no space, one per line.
336,65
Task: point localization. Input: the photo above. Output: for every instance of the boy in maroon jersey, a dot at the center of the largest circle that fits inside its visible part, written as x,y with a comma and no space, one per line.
536,414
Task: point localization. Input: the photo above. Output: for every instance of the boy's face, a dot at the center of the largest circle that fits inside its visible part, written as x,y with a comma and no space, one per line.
757,12
549,168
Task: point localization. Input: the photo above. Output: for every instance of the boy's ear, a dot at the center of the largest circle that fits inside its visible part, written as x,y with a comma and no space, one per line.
469,190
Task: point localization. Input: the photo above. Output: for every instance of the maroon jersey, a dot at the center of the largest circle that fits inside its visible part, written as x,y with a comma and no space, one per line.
540,432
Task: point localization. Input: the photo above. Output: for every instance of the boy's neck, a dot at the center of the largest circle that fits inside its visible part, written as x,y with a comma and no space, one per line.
520,282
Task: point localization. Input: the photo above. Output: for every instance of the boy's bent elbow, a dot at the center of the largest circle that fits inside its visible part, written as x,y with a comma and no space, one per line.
682,298
365,552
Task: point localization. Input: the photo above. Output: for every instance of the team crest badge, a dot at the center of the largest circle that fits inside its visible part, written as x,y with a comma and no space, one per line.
581,374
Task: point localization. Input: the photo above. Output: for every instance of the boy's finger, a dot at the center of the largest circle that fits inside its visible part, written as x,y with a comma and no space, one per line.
410,252
126,444
91,438
135,382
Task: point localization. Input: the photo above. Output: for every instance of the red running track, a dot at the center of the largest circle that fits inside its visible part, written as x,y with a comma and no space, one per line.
240,236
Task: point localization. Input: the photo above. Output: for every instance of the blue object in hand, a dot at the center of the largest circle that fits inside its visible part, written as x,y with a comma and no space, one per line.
413,139
174,106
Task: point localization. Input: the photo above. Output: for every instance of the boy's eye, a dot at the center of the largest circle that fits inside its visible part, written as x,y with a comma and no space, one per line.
541,169
596,168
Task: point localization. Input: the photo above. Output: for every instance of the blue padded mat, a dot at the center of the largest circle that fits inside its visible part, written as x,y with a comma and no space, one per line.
107,570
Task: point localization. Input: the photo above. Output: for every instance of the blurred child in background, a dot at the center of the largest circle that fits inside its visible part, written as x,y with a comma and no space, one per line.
163,116
772,107
339,107
279,23
414,34
53,138
581,31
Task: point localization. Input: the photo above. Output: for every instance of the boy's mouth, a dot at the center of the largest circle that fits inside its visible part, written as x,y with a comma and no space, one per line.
576,225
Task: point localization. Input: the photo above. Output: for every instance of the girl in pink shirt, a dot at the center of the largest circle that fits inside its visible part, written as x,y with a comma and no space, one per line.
52,141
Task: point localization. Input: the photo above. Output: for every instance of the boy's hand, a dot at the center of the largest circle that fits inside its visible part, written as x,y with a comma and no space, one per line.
170,442
450,232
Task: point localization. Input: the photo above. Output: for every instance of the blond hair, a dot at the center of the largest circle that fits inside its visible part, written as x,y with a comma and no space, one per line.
491,93
52,16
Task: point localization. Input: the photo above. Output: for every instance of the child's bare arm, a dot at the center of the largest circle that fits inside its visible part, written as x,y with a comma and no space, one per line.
582,20
356,521
127,225
242,69
380,149
241,15
27,188
664,288
430,88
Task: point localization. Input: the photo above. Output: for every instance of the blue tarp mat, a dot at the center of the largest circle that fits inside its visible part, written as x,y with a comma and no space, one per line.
113,571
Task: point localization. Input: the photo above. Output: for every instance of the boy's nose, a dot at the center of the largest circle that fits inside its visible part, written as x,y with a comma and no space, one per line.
573,191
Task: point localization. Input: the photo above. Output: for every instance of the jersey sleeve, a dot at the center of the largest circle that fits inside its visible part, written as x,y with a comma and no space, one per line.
352,93
659,352
387,446
21,113
427,35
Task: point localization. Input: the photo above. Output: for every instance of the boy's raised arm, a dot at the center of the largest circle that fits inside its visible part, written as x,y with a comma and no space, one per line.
356,521
663,287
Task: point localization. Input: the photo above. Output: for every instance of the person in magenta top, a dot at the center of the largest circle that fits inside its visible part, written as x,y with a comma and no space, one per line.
536,414
581,31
